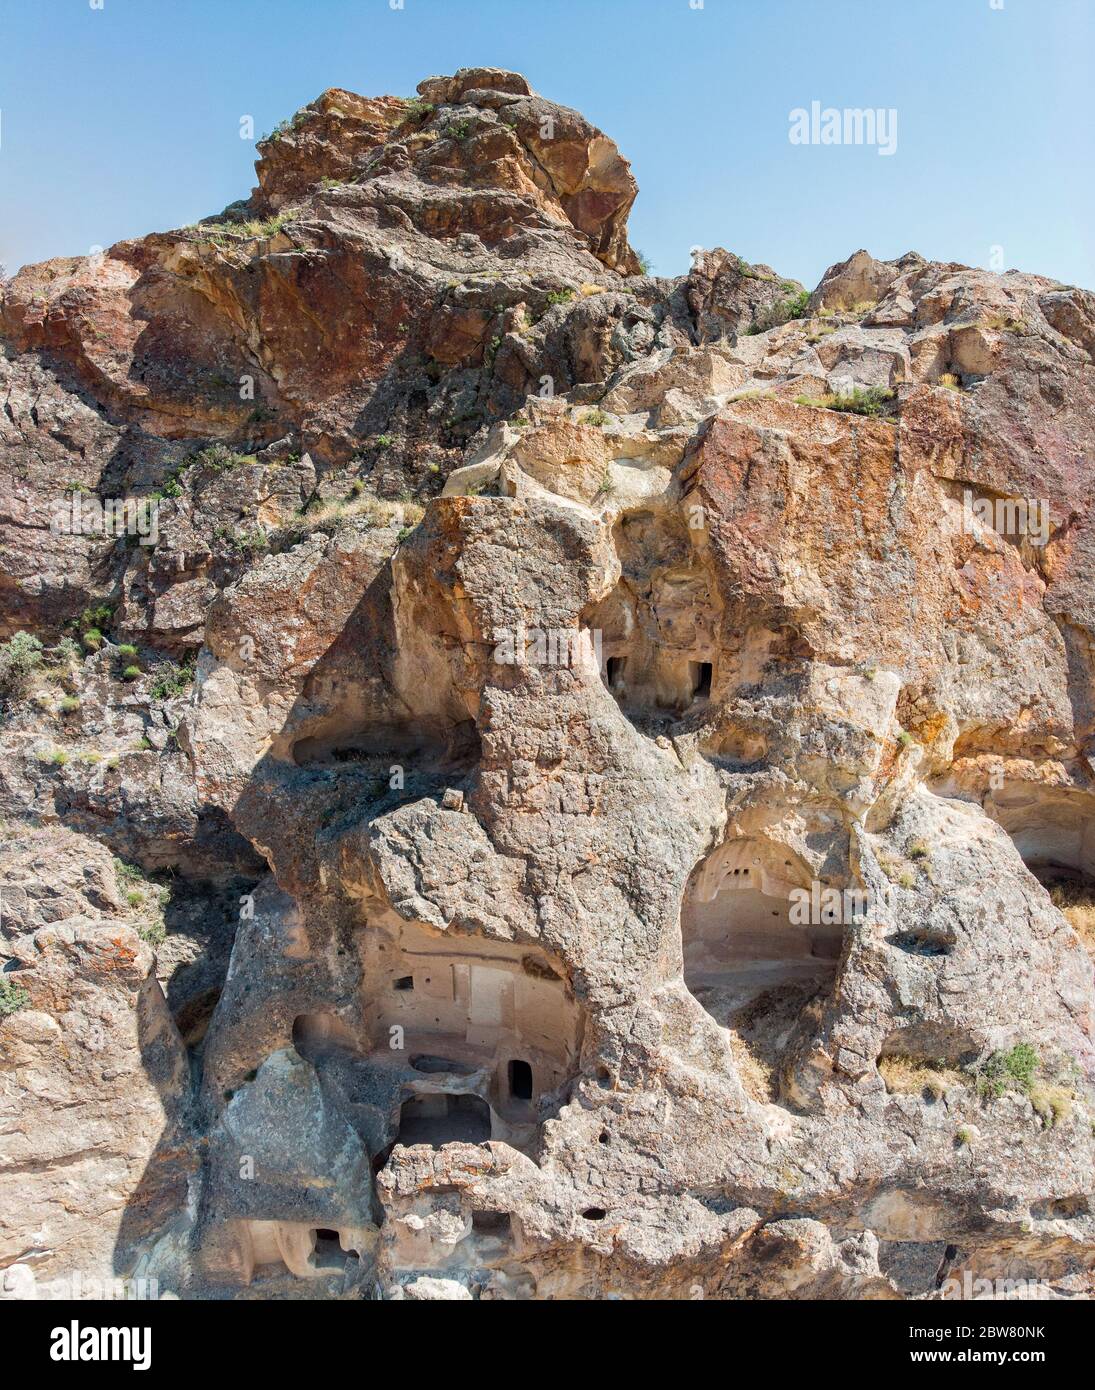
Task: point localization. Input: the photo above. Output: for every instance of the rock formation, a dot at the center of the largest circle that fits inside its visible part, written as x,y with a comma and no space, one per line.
560,783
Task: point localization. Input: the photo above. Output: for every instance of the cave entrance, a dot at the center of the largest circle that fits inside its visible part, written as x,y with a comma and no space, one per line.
661,624
320,1035
308,1252
614,672
701,672
464,1003
1052,828
492,1028
520,1080
444,1119
347,738
327,1251
748,959
740,936
1054,833
1072,893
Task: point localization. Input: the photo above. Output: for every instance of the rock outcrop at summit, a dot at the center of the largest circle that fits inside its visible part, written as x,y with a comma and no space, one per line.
598,767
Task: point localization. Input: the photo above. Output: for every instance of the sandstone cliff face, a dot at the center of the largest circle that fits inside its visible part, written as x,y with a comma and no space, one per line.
638,750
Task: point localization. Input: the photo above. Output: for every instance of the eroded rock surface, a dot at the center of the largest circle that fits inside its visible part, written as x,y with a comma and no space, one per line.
598,768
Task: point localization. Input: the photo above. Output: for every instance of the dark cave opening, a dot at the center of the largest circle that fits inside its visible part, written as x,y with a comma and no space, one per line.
701,672
520,1080
444,1119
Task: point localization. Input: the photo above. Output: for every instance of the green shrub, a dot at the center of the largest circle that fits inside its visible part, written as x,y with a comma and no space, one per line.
92,623
285,127
20,657
218,457
1022,1070
871,400
252,542
153,932
127,652
139,893
100,616
170,487
415,109
67,652
13,997
70,704
131,673
781,313
1008,1071
223,233
170,681
607,487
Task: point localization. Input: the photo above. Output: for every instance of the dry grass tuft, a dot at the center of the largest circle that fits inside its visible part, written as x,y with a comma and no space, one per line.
1076,902
912,1076
759,1031
1052,1103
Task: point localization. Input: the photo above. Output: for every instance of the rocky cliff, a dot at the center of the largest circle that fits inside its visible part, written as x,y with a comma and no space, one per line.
525,779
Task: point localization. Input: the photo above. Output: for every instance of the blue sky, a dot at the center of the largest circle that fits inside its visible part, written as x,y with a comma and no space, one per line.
124,119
